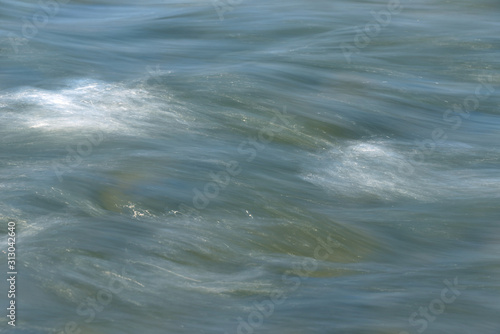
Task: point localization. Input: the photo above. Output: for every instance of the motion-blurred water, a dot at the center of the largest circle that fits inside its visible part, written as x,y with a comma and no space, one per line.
251,166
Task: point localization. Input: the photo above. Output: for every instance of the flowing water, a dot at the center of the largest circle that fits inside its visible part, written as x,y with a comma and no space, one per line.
251,166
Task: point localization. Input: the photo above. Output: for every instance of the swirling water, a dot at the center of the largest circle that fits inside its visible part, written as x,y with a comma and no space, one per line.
251,166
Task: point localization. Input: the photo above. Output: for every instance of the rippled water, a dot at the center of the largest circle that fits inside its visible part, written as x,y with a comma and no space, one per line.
251,166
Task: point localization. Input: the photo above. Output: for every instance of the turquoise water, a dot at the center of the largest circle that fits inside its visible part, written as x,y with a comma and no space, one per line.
251,166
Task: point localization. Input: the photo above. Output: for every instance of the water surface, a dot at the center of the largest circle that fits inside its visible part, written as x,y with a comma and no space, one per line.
252,166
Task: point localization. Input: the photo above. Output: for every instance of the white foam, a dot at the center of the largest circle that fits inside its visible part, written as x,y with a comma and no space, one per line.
377,169
85,104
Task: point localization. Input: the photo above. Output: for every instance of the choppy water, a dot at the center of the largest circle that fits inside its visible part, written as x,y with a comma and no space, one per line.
251,166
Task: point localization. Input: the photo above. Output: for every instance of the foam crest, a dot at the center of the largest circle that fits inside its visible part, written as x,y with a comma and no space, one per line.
378,170
85,104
